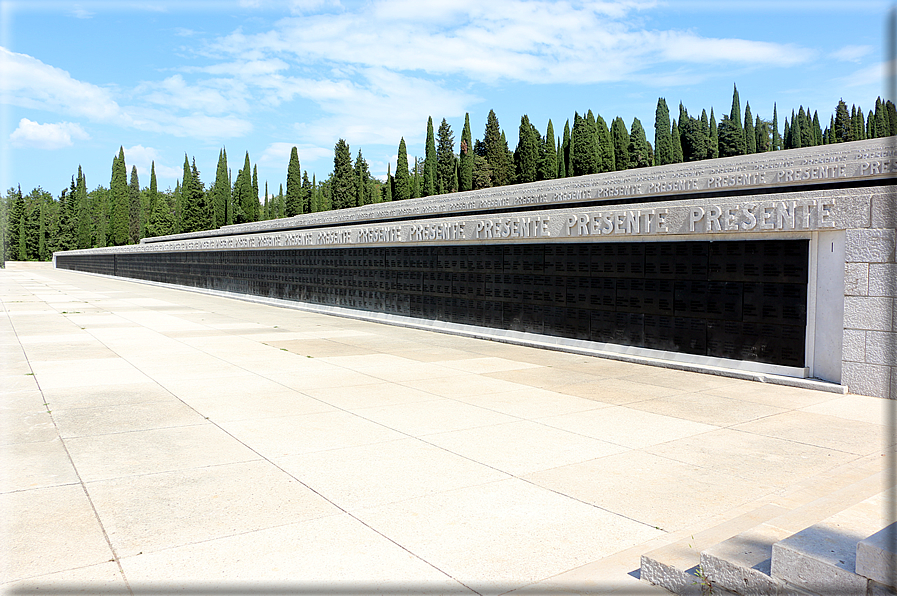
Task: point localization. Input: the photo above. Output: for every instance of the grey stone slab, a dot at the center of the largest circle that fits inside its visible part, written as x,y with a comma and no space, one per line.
103,579
854,347
81,422
91,396
881,348
876,557
28,427
870,246
884,211
819,559
874,314
867,379
883,279
841,434
856,279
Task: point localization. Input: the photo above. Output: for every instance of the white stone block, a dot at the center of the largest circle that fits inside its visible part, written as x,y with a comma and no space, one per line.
856,279
870,313
870,245
867,379
876,558
884,211
820,561
881,348
882,279
854,346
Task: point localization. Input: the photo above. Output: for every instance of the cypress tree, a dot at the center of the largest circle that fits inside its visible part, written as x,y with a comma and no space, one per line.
294,185
640,153
508,158
118,188
496,153
761,132
882,128
42,253
870,125
152,197
776,139
663,142
584,149
815,129
361,180
387,193
415,181
280,205
796,132
446,180
342,185
526,157
566,151
134,210
786,135
16,217
99,207
161,220
465,172
548,164
307,192
620,137
735,117
677,143
605,145
750,136
221,191
82,209
255,204
841,125
694,141
191,218
403,177
713,149
806,128
429,188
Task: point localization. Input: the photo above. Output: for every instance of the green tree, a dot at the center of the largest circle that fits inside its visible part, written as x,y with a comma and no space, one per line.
134,208
280,204
221,191
403,178
731,138
387,187
677,142
776,139
713,145
583,146
82,210
663,142
641,155
736,132
621,143
415,180
118,189
761,132
445,161
195,214
496,152
605,145
526,157
162,218
750,136
430,184
465,176
548,161
342,185
152,196
307,192
842,124
294,185
694,140
564,164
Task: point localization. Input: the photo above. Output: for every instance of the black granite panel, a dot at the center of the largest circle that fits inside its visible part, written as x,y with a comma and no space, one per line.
744,300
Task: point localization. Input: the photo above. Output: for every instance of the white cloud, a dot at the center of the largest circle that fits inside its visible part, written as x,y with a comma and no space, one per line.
143,158
46,136
278,154
29,83
851,53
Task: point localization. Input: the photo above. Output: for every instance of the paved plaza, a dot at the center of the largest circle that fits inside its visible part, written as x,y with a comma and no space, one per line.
156,440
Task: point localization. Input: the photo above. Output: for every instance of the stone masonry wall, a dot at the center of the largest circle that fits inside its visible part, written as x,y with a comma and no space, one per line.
870,301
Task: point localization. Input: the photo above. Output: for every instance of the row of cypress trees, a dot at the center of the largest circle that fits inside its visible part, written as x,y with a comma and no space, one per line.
33,226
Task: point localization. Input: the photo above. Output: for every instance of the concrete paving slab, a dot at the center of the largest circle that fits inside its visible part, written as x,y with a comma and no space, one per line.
359,397
654,490
146,513
103,579
49,529
291,435
25,466
157,450
486,535
616,391
775,462
706,408
860,438
530,402
332,553
92,371
103,420
854,407
89,396
438,415
626,426
360,477
523,447
231,406
34,427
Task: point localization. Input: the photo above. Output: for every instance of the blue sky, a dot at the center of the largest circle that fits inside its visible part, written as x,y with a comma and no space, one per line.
163,78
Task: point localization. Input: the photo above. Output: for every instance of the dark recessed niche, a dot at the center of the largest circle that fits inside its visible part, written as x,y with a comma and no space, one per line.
744,300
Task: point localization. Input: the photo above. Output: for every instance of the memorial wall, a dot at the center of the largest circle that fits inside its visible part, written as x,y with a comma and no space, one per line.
779,263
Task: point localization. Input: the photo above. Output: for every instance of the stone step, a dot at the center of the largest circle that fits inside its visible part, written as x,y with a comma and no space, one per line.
876,557
743,563
674,566
822,558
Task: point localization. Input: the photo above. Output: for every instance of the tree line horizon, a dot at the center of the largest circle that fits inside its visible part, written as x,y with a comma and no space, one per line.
34,226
